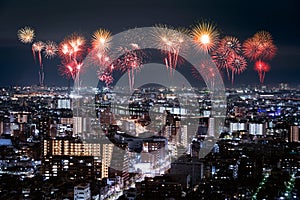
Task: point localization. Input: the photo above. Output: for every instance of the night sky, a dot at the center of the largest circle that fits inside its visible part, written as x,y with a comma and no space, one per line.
54,20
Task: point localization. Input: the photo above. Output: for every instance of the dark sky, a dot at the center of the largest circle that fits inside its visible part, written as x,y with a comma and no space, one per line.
54,20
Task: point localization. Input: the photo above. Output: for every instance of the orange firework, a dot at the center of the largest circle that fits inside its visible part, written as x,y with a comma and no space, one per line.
101,39
205,36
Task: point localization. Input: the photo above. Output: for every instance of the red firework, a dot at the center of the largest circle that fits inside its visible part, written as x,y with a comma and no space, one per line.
72,51
261,68
130,61
237,64
72,48
260,47
205,68
230,44
229,47
106,78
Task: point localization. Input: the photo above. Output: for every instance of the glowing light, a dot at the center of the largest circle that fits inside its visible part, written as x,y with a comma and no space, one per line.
204,39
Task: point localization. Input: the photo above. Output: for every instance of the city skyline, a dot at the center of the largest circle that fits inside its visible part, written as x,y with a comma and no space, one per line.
55,21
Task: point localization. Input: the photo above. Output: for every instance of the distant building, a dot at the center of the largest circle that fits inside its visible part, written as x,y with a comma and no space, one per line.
159,188
256,129
294,134
237,126
75,159
64,103
82,192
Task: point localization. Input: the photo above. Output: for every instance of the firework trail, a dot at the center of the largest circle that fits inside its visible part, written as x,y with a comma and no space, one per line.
37,48
205,67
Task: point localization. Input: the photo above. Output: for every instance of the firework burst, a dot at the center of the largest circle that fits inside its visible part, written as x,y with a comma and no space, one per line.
101,40
72,51
230,44
106,78
171,43
260,47
26,34
50,49
130,61
227,56
237,64
205,36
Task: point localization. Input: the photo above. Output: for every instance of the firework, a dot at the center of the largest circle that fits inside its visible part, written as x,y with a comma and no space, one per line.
263,36
261,68
228,48
260,47
38,47
170,42
205,67
66,70
130,61
106,78
205,36
26,34
230,44
50,49
72,50
237,65
101,40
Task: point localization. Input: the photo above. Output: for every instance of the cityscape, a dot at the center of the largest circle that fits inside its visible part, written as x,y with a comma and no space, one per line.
255,157
142,100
